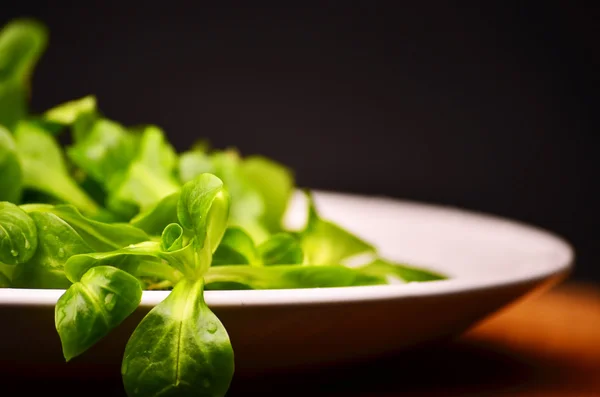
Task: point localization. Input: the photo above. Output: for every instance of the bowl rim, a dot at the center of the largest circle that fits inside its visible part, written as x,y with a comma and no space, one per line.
561,267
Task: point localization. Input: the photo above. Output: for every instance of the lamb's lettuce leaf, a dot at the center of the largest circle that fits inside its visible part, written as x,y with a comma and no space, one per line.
93,306
326,243
22,43
44,167
11,176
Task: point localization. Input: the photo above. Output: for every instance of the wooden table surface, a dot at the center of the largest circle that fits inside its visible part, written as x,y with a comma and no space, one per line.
544,345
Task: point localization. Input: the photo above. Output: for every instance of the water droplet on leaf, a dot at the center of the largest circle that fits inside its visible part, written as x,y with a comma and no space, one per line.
14,252
212,328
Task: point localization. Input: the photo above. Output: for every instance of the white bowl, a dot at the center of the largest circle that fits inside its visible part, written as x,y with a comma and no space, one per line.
491,263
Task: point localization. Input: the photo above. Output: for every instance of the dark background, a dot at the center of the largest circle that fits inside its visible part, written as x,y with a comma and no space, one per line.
485,107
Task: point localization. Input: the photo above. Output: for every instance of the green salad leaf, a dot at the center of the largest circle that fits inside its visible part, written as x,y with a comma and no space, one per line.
325,243
203,208
193,163
287,277
4,280
247,205
105,152
236,248
57,241
145,259
11,180
148,178
78,115
18,235
156,218
383,268
44,168
281,249
179,349
275,184
100,236
69,113
22,42
172,238
93,306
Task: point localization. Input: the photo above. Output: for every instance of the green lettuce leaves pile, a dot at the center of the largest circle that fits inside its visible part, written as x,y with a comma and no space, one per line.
118,210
